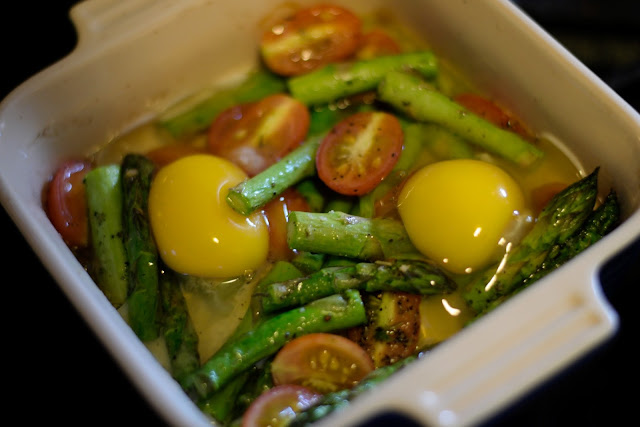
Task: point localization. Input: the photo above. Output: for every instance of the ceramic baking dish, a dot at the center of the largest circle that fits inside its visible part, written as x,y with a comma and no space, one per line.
136,58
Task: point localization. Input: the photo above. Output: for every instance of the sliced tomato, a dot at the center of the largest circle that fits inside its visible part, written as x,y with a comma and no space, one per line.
491,112
166,154
377,42
322,362
542,195
255,135
278,405
311,38
66,202
359,152
277,212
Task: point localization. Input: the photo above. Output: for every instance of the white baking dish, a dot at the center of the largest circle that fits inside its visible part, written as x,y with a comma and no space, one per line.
135,58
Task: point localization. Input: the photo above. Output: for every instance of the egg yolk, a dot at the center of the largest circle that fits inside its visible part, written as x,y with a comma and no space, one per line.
456,212
196,231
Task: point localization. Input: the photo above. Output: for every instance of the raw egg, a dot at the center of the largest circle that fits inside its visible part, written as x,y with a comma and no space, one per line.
196,231
457,211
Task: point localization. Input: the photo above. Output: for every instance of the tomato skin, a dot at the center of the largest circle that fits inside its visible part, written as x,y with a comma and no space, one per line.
66,203
311,38
274,407
491,112
277,212
359,152
257,134
166,154
321,361
376,43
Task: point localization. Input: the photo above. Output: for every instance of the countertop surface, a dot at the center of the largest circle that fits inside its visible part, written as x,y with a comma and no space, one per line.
60,372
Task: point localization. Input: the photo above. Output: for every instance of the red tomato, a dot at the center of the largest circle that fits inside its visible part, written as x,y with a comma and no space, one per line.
276,406
166,154
311,38
377,43
257,134
66,202
321,361
359,152
277,212
491,112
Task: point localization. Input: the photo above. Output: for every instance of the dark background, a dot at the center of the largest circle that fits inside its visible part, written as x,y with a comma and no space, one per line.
58,371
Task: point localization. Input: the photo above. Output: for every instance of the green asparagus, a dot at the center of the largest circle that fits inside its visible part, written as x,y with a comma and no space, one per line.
327,314
561,217
104,202
337,233
136,174
176,327
260,380
220,406
256,191
313,192
336,81
443,144
603,219
197,116
411,276
420,100
339,400
308,262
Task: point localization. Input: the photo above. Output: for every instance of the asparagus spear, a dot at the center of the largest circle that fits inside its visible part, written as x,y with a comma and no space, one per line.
339,400
311,189
420,100
180,121
236,356
220,406
142,257
179,333
336,81
411,276
337,233
255,192
562,216
440,142
104,202
308,262
260,380
603,219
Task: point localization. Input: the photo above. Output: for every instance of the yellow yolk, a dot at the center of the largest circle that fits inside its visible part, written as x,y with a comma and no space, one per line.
196,231
456,212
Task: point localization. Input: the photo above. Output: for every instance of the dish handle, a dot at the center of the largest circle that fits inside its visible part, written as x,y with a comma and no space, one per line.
501,356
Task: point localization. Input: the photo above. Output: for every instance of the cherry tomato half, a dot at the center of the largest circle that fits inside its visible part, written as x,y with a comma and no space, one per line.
376,43
322,362
66,202
491,112
277,406
277,212
359,152
257,134
310,39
